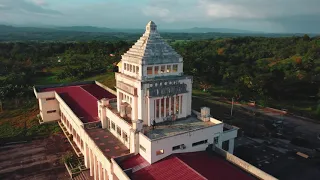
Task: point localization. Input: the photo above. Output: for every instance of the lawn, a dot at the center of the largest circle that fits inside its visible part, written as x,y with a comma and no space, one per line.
20,123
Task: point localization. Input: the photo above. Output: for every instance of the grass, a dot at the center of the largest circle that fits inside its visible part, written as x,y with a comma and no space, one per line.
106,79
305,108
20,123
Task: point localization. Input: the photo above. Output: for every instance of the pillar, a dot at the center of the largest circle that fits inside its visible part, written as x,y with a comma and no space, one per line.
99,171
231,146
91,162
151,110
119,99
86,155
134,108
95,169
105,174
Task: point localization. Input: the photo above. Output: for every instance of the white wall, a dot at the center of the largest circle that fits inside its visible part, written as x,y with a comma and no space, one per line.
49,105
124,126
187,139
146,143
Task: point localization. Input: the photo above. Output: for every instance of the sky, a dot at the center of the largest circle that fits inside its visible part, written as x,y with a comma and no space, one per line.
299,16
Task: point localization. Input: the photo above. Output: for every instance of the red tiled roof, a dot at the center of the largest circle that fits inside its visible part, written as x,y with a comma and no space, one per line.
170,168
197,165
82,99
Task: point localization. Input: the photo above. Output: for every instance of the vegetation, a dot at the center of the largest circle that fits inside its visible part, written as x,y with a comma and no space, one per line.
278,72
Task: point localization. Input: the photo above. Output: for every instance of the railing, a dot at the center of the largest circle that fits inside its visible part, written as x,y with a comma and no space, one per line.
244,165
92,125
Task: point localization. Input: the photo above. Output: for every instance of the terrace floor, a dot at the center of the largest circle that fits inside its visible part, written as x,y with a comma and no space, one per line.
108,143
176,127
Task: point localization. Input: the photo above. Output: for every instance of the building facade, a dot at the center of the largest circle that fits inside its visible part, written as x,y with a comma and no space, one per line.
149,115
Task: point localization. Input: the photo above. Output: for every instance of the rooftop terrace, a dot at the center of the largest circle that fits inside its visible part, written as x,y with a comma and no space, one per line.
108,143
82,99
173,128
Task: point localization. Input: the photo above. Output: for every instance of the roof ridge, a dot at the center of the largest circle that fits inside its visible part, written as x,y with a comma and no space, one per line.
89,93
176,156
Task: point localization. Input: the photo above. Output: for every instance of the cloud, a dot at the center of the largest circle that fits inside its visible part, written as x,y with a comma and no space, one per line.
25,7
39,2
259,9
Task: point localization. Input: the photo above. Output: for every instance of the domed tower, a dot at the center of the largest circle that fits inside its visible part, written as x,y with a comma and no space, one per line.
151,80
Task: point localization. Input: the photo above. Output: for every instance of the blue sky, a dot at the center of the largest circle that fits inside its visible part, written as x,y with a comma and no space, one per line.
256,15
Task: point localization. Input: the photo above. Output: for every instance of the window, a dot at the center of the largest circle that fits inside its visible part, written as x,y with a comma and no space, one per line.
156,70
142,148
119,130
130,68
134,69
177,105
167,106
176,147
162,107
159,152
200,142
49,99
175,68
172,105
225,145
137,69
157,108
168,68
125,66
52,111
216,140
149,70
163,68
113,126
125,136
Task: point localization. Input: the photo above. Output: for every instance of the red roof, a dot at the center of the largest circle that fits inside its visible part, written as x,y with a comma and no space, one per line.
82,99
184,166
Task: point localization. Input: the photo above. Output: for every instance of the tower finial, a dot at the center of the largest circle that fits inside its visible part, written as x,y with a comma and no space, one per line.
151,27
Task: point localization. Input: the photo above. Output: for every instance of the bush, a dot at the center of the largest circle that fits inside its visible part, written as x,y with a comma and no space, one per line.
67,158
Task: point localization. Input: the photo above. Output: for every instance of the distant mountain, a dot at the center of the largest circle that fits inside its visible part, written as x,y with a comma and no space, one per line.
85,29
210,30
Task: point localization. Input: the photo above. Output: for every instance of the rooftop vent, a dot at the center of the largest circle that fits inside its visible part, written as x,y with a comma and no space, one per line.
205,113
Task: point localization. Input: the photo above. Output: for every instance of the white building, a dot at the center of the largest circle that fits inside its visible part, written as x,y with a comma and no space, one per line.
147,121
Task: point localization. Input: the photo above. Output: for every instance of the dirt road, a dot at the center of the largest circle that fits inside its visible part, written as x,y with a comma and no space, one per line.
35,160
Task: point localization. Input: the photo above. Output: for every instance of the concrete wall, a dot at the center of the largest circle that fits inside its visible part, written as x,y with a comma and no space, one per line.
166,144
124,126
146,143
244,165
118,171
48,105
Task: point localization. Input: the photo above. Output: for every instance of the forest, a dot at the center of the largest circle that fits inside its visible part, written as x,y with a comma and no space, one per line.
268,70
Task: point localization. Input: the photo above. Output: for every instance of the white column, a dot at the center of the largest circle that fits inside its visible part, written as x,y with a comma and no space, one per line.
86,153
118,101
95,169
134,107
105,174
231,146
91,162
151,110
100,171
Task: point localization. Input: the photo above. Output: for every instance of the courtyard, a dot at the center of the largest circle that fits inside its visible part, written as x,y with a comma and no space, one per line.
35,160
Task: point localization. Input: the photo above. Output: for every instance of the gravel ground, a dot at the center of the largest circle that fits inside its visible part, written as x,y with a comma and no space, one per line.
35,160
